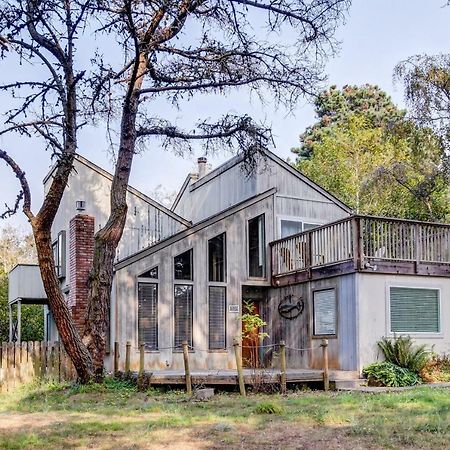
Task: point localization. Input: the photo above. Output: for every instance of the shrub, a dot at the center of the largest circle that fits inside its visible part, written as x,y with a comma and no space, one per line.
401,352
387,374
268,408
437,369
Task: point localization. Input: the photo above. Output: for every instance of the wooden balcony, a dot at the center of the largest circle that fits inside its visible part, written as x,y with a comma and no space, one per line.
363,244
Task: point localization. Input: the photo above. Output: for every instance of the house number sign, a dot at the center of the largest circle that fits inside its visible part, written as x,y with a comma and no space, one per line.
233,309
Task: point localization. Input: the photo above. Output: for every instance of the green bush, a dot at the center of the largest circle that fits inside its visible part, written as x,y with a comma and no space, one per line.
403,353
388,374
268,408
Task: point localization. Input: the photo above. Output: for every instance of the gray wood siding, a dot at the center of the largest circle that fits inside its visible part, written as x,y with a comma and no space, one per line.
145,224
216,192
298,333
125,309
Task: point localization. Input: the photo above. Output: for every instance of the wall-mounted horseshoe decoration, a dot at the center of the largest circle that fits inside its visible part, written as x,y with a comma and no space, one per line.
291,306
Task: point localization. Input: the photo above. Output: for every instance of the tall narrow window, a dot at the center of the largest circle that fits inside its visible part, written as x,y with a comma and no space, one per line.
59,254
217,258
324,306
183,314
256,247
148,315
217,317
183,266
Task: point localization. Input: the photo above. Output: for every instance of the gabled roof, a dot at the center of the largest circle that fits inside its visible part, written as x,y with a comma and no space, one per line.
270,155
130,189
197,227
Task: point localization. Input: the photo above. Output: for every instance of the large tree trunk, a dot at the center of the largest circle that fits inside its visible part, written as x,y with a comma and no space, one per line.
107,239
66,328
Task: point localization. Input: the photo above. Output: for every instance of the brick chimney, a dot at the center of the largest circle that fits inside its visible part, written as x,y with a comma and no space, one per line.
81,255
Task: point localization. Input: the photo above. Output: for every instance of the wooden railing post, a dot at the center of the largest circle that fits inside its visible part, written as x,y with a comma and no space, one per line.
187,372
357,243
283,367
326,377
116,357
238,357
418,244
141,359
127,357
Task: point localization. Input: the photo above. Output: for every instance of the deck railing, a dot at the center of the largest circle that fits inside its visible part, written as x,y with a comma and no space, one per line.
362,239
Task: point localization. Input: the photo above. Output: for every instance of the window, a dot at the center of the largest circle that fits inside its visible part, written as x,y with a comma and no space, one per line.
324,307
183,266
152,273
59,254
256,247
217,317
183,314
414,310
217,258
290,227
148,315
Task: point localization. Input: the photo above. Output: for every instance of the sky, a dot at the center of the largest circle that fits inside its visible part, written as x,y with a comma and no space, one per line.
376,36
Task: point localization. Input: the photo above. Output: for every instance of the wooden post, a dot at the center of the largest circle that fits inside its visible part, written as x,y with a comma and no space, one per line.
141,359
116,358
283,367
237,354
187,372
326,377
127,357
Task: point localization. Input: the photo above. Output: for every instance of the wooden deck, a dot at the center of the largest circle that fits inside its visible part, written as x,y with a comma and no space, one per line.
364,244
229,377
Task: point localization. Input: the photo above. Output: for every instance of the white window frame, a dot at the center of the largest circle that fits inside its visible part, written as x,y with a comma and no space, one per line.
426,334
303,220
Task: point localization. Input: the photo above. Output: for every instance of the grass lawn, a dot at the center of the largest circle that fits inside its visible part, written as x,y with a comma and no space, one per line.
115,416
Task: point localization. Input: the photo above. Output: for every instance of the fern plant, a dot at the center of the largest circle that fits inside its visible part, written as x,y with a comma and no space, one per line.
402,352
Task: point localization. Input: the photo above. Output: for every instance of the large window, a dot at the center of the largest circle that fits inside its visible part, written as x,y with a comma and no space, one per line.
256,247
217,317
289,227
183,314
148,315
324,312
183,266
217,258
414,310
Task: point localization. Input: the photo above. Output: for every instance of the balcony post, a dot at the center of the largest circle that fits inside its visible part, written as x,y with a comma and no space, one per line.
357,243
10,322
417,243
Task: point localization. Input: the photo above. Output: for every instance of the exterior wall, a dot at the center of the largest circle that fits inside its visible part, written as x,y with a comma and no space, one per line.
25,281
229,185
373,314
126,281
298,332
145,223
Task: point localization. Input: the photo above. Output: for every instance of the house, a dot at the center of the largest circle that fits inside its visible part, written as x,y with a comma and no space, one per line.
273,240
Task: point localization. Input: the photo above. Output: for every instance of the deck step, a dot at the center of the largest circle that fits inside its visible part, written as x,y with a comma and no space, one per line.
343,385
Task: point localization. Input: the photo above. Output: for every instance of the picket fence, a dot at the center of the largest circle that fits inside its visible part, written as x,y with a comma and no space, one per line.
29,361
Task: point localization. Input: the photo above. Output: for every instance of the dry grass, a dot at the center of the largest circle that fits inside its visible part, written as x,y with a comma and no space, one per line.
115,416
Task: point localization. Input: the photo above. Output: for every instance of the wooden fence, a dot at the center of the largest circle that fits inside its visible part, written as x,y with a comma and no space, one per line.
28,361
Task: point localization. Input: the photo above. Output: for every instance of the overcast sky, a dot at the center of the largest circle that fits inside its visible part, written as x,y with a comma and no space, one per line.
378,34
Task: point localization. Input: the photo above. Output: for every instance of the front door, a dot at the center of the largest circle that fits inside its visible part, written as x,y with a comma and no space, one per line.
250,335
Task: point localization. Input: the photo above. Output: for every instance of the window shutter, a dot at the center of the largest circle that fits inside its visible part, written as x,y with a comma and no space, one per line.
414,310
148,315
183,314
217,317
325,312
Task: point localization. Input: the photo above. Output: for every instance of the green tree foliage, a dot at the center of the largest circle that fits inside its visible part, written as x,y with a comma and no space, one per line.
17,247
334,107
389,167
